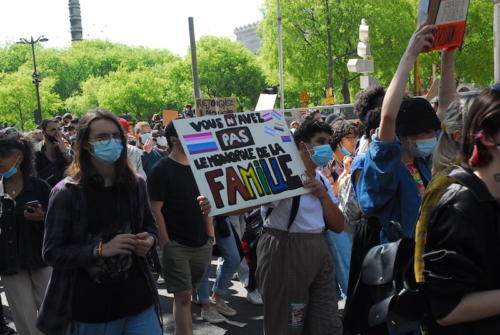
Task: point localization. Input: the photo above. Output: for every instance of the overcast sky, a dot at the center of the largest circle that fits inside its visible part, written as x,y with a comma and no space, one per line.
151,23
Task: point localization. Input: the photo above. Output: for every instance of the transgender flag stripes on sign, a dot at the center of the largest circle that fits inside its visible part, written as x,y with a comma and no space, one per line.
200,143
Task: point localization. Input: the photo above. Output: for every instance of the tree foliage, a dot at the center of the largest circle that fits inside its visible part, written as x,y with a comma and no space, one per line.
391,25
227,69
126,80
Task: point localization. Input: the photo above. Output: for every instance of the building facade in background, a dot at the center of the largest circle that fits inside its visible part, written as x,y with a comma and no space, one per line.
248,36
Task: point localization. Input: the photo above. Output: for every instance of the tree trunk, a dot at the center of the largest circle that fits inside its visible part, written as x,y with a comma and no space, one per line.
345,90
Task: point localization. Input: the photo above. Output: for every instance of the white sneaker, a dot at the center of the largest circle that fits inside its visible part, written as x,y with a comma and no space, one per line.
212,315
254,297
224,309
160,280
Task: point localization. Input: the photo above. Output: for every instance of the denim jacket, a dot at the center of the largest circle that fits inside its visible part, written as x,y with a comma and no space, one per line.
387,190
65,248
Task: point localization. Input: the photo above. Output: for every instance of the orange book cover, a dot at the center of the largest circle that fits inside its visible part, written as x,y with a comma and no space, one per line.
450,17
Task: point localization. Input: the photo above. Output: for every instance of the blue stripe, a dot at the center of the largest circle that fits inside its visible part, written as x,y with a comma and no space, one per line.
202,147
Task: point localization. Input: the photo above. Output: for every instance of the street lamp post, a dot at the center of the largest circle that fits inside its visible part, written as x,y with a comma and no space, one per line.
496,36
36,76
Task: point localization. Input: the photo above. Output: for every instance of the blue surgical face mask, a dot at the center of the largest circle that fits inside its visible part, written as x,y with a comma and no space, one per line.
423,148
10,172
345,151
322,154
108,151
145,137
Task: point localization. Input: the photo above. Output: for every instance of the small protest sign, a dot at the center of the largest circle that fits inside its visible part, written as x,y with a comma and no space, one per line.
168,116
449,16
215,106
242,160
265,102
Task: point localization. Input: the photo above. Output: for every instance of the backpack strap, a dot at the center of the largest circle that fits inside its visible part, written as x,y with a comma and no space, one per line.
294,210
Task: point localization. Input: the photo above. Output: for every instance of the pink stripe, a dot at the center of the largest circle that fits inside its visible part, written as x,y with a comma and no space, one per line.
202,136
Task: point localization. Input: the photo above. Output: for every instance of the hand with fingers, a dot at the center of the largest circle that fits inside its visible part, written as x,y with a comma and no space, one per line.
148,147
123,244
421,40
144,243
35,213
204,204
317,188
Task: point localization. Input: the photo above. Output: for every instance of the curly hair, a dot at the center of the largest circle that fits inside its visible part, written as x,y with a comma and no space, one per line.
15,143
341,128
371,120
367,100
307,129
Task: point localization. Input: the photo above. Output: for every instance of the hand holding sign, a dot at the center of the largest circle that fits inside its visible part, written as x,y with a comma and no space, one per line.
241,160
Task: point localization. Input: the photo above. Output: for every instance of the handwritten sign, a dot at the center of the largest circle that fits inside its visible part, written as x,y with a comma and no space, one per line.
215,106
242,160
449,16
169,116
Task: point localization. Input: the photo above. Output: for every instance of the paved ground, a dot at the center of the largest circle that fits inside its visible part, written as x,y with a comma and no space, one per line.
247,313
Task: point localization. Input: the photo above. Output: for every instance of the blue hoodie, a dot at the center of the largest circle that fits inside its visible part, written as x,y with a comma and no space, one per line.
386,188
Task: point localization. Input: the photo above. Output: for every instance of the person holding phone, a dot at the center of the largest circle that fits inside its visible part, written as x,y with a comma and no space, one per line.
147,142
53,157
23,199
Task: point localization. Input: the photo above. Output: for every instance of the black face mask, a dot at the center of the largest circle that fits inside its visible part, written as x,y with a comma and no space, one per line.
51,138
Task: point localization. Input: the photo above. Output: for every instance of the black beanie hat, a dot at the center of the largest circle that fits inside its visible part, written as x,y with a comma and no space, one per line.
416,116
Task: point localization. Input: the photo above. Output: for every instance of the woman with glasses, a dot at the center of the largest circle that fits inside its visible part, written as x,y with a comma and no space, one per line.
99,229
23,199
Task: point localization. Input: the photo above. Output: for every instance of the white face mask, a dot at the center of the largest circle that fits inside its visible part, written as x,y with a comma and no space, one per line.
162,141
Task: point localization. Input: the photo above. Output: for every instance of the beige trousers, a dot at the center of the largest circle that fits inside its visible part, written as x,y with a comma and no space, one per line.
25,291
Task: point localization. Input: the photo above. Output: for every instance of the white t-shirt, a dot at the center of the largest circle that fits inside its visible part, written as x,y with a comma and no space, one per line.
309,217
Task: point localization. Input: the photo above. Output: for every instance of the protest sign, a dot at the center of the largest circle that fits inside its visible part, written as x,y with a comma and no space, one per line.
215,106
265,102
168,116
242,160
450,17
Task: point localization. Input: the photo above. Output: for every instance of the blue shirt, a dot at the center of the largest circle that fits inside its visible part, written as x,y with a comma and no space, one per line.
387,190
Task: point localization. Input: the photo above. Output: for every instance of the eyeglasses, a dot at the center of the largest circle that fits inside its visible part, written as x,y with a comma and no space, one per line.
106,138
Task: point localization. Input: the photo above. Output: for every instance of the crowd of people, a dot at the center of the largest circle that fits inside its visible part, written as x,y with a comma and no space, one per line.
95,213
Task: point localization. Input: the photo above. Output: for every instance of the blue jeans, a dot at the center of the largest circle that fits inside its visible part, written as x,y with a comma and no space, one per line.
340,246
230,254
144,323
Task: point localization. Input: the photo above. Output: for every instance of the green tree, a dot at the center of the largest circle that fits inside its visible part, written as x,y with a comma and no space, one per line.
227,69
18,99
94,58
305,45
12,56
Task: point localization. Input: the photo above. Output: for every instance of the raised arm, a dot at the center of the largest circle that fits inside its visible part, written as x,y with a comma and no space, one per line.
421,40
447,84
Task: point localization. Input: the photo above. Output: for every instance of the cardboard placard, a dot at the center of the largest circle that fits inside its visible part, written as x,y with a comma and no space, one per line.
168,116
266,102
450,17
242,160
215,106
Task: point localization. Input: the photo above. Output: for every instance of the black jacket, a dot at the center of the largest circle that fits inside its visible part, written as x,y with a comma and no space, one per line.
21,239
51,172
462,251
